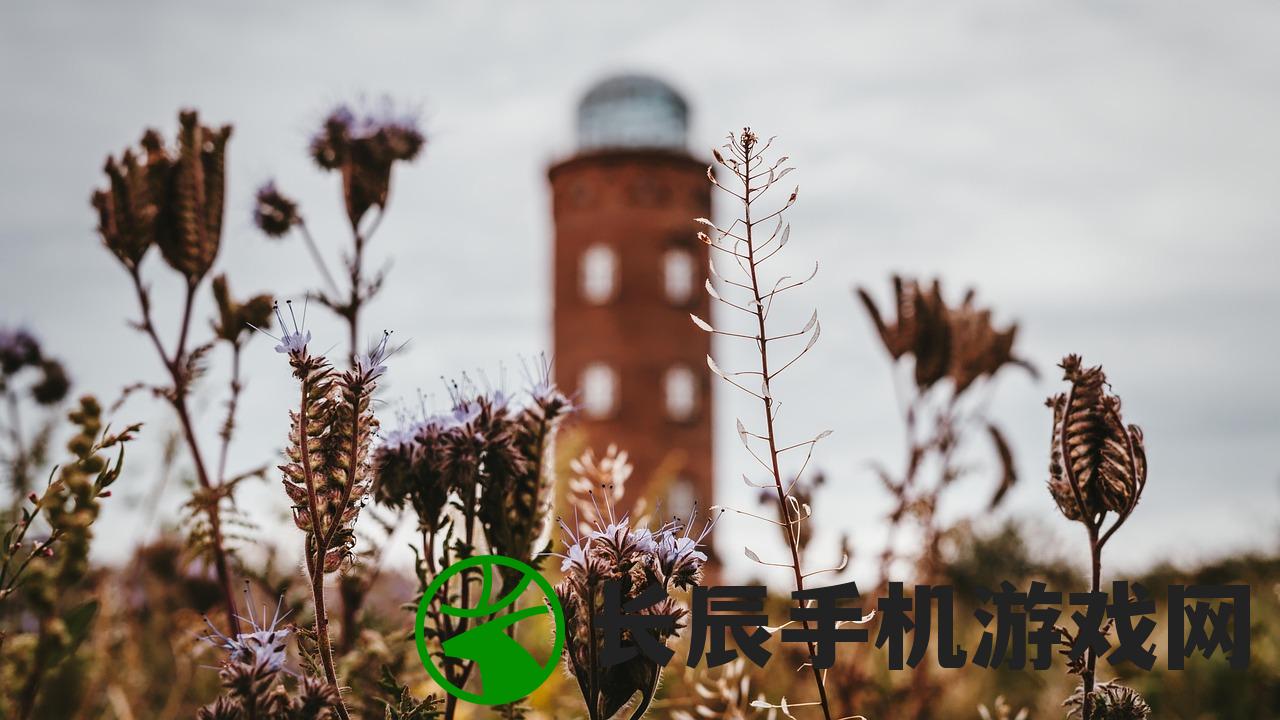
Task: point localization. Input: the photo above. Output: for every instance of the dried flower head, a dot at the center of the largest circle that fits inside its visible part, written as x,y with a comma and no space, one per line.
235,318
171,199
959,343
20,350
1097,464
364,148
274,212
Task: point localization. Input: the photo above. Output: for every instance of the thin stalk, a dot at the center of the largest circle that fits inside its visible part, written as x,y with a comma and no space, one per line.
178,400
314,249
316,563
1091,659
783,512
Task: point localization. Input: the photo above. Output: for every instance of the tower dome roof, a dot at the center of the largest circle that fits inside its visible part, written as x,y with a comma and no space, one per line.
632,111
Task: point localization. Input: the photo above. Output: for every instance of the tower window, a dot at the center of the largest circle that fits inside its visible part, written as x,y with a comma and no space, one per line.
678,275
599,388
681,499
599,274
680,390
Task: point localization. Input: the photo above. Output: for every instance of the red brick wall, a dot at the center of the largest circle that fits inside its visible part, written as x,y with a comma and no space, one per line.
640,203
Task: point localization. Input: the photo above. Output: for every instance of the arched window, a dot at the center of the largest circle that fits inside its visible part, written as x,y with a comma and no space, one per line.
678,271
680,391
598,386
599,274
680,499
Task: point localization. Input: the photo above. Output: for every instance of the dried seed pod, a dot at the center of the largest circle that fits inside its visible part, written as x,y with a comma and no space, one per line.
274,212
172,201
960,343
364,149
237,318
1097,464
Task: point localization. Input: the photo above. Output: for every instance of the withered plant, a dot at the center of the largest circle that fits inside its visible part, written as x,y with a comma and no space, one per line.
1097,470
478,478
945,358
754,237
955,352
644,566
172,199
329,474
362,149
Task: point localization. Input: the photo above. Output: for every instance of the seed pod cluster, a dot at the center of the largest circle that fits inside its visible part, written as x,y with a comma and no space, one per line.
172,199
1097,463
329,472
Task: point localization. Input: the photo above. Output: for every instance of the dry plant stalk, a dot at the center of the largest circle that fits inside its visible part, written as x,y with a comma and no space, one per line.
1097,468
363,149
329,471
750,241
951,353
173,200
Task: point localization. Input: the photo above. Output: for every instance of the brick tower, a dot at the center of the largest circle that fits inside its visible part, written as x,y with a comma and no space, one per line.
628,271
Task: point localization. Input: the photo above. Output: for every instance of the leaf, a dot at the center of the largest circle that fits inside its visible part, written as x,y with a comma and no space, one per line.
813,320
702,324
813,339
1008,473
78,621
711,290
751,555
711,363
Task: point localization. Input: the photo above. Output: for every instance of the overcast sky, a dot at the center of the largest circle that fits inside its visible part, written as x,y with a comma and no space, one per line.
1105,173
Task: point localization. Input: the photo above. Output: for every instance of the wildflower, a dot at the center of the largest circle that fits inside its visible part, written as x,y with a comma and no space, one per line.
637,558
364,148
264,646
251,675
329,472
273,212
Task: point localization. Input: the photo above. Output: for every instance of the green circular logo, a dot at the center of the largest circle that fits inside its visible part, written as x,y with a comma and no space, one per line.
508,671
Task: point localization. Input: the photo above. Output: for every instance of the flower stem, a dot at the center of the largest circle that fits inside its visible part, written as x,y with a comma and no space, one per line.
763,345
316,563
178,399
